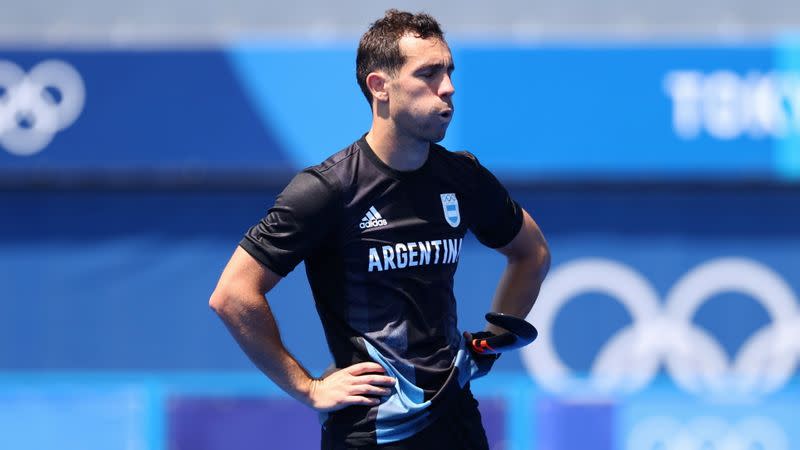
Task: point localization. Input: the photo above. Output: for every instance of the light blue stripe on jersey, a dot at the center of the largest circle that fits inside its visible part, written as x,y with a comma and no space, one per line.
405,411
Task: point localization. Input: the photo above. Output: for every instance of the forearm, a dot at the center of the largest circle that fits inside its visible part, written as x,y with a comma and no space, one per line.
249,319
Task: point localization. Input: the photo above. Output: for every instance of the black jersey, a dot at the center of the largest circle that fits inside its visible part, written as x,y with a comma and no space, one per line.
381,248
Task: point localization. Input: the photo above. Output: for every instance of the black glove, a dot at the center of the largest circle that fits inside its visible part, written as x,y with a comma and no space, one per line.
486,346
520,333
484,361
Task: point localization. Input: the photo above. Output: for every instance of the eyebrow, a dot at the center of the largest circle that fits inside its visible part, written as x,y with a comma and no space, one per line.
437,66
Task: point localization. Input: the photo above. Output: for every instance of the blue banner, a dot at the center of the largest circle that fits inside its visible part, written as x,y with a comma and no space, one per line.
90,111
619,112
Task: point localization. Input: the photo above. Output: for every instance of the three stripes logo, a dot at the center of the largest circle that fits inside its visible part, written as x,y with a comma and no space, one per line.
372,219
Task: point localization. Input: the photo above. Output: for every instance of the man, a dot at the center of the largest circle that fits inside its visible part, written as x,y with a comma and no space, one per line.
380,226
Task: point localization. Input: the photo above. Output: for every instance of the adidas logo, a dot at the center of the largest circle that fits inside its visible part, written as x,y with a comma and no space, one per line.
372,219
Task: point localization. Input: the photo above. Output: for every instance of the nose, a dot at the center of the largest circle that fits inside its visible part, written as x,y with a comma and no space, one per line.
446,88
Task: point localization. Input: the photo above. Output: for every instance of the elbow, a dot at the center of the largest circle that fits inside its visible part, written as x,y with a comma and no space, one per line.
220,301
533,259
537,257
543,260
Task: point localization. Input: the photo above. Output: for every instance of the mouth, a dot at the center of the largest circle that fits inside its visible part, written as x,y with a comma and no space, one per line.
446,114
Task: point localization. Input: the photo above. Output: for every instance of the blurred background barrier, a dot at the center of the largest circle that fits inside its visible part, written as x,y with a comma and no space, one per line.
212,411
656,145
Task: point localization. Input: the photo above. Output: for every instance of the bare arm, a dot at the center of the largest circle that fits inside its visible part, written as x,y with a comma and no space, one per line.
528,262
239,301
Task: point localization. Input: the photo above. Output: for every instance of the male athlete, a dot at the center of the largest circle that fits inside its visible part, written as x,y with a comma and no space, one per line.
380,226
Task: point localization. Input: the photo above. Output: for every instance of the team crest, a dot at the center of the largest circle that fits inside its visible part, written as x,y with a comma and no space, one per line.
450,207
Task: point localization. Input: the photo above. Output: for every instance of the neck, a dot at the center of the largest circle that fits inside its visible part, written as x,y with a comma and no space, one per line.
398,152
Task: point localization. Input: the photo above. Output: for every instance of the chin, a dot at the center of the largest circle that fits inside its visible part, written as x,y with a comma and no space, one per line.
430,133
436,136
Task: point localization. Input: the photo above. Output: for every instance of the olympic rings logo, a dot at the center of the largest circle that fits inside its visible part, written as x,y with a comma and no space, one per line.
664,333
37,105
707,433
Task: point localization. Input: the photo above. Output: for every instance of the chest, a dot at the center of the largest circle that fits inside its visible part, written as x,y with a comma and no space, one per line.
396,226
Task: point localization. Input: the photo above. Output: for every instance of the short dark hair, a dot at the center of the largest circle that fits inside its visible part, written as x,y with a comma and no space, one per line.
379,47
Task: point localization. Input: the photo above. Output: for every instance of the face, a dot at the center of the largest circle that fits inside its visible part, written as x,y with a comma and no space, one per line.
421,92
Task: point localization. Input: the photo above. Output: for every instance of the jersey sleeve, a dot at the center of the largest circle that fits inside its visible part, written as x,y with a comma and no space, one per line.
498,218
302,217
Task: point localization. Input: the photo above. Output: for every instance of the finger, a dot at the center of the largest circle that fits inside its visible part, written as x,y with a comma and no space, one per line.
378,380
359,400
364,367
370,390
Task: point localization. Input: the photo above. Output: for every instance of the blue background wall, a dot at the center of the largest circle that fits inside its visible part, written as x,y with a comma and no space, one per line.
112,235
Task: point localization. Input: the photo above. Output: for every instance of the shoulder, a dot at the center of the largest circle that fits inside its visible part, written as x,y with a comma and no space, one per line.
458,158
321,181
338,160
474,178
461,165
337,170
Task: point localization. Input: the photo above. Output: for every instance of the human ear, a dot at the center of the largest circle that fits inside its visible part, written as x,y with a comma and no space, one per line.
376,83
